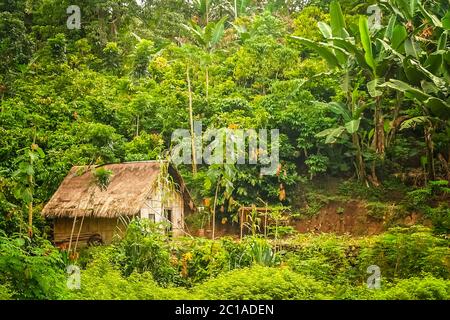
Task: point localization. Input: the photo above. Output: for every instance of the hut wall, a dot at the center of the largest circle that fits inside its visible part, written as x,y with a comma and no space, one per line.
106,227
154,209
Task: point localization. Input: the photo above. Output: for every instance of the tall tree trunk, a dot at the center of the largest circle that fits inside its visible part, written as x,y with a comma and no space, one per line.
191,120
445,165
207,83
137,126
30,182
396,120
214,211
378,138
30,219
428,131
360,166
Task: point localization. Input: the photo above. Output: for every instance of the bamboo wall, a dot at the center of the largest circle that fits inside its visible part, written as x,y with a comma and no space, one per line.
106,227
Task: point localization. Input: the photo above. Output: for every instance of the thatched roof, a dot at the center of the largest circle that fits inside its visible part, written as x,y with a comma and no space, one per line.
130,185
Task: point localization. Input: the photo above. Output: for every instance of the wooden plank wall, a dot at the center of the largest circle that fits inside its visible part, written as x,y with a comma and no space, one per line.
106,227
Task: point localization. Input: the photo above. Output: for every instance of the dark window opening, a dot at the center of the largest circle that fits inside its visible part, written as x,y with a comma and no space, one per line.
168,216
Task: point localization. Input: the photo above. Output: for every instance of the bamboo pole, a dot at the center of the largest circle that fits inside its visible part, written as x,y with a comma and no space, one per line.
191,121
78,235
71,233
242,220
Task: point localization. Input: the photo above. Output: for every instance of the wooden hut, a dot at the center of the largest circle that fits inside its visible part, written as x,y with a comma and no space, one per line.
85,212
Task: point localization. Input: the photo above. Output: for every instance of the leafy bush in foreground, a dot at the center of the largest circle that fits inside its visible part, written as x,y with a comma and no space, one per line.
34,271
263,283
145,249
428,288
101,280
5,292
406,252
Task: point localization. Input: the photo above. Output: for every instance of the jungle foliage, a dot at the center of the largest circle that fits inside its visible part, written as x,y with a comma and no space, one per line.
363,100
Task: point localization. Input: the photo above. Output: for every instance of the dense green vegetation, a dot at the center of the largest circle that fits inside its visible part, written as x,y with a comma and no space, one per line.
414,263
363,103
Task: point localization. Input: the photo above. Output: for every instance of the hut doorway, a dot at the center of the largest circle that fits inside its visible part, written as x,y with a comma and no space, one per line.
168,216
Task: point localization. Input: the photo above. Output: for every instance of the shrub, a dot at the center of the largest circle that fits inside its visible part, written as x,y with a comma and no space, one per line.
407,252
199,259
145,248
34,269
262,283
101,280
5,292
323,257
428,288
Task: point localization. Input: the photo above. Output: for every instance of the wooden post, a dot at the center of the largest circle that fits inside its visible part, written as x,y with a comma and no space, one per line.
242,219
71,233
78,235
265,223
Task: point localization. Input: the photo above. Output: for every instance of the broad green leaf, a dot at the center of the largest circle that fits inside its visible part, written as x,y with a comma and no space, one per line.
412,73
430,17
332,138
337,20
389,32
442,43
331,134
218,29
351,49
325,29
324,133
438,107
413,122
360,109
367,44
435,61
40,152
425,74
446,21
27,195
340,109
398,36
388,48
406,89
407,7
352,126
411,48
324,52
429,87
390,7
372,88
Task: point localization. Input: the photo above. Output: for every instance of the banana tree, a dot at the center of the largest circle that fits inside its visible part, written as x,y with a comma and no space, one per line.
25,180
380,55
240,7
425,76
203,7
362,55
207,38
221,177
351,120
